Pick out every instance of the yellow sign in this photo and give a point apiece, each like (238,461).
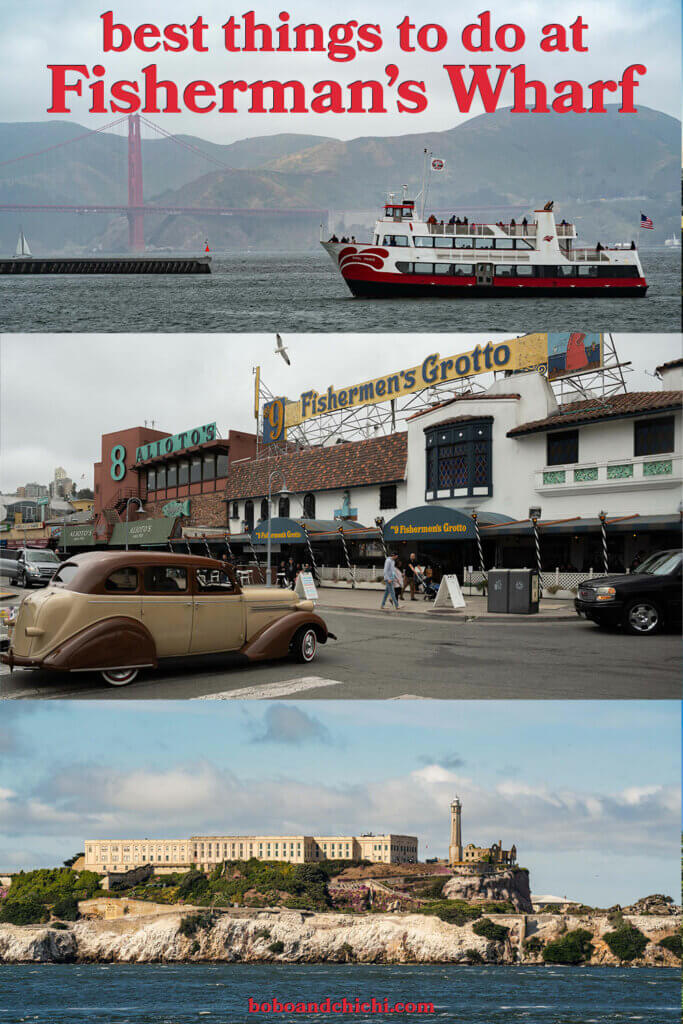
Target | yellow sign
(526,353)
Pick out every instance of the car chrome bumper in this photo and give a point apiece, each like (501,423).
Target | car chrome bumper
(8,657)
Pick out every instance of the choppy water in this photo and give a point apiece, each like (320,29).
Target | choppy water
(303,292)
(219,993)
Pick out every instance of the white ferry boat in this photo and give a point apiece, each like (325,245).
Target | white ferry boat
(413,257)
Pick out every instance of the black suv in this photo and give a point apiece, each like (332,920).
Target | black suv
(640,602)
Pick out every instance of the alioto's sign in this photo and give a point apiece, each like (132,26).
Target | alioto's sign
(553,354)
(176,442)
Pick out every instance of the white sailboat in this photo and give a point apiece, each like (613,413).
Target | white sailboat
(674,242)
(22,250)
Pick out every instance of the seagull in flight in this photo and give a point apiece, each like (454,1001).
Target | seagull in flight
(281,350)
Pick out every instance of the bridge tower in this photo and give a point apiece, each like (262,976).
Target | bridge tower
(136,218)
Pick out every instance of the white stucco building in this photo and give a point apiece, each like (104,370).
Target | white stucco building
(506,455)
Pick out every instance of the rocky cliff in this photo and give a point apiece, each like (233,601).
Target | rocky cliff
(504,884)
(295,937)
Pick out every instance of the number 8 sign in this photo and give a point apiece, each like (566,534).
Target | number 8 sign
(274,421)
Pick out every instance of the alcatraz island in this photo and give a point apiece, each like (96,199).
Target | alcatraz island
(305,899)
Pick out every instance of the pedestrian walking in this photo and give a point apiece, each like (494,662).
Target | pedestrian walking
(389,578)
(398,581)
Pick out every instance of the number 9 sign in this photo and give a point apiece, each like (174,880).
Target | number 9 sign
(274,421)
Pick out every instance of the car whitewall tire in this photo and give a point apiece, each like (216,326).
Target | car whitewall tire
(119,676)
(305,645)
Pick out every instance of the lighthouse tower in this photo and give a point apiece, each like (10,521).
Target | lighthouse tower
(455,846)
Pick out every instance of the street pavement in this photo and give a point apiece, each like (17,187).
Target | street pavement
(413,653)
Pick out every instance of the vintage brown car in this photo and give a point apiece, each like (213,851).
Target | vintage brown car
(118,612)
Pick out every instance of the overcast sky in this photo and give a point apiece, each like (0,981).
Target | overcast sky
(36,33)
(588,792)
(60,393)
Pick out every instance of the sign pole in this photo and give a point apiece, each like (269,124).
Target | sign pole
(482,567)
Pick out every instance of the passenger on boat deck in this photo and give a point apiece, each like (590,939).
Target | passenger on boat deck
(334,238)
(512,222)
(563,223)
(599,247)
(453,220)
(524,222)
(465,221)
(353,238)
(633,245)
(344,239)
(432,219)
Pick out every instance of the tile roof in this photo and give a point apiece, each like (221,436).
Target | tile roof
(590,410)
(377,460)
(672,364)
(457,419)
(461,398)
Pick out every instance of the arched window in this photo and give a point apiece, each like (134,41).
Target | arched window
(249,514)
(283,508)
(309,506)
(264,509)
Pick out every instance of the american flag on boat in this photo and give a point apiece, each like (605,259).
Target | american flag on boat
(645,222)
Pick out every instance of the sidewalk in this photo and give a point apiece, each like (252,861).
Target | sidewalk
(366,600)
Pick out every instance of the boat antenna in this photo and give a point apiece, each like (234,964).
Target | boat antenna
(423,193)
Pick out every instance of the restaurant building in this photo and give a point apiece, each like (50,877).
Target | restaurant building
(487,469)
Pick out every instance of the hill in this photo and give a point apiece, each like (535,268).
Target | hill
(601,170)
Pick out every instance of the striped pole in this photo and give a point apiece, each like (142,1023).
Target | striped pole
(379,523)
(310,552)
(480,552)
(206,545)
(227,544)
(346,556)
(537,542)
(603,530)
(258,564)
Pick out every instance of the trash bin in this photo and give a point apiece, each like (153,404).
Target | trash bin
(499,600)
(523,591)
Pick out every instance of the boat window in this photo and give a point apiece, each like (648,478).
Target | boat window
(183,472)
(171,474)
(546,271)
(505,243)
(122,580)
(442,268)
(424,241)
(165,579)
(483,243)
(463,269)
(463,243)
(505,270)
(443,242)
(404,268)
(521,243)
(213,581)
(423,268)
(564,270)
(588,271)
(525,270)
(395,240)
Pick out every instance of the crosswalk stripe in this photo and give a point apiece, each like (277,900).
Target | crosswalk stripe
(269,691)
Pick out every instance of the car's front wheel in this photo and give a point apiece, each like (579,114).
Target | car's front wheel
(119,676)
(22,580)
(642,618)
(305,644)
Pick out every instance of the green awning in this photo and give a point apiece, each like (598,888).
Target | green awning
(143,531)
(78,535)
(430,522)
(282,530)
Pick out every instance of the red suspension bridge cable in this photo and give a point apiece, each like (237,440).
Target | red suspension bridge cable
(66,142)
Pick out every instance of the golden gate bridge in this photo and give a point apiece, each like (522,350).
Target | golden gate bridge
(136,209)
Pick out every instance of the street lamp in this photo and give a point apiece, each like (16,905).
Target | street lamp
(283,493)
(127,508)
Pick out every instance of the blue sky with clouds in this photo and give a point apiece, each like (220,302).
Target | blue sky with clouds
(620,32)
(589,792)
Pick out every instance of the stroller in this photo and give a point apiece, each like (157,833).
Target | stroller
(428,586)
